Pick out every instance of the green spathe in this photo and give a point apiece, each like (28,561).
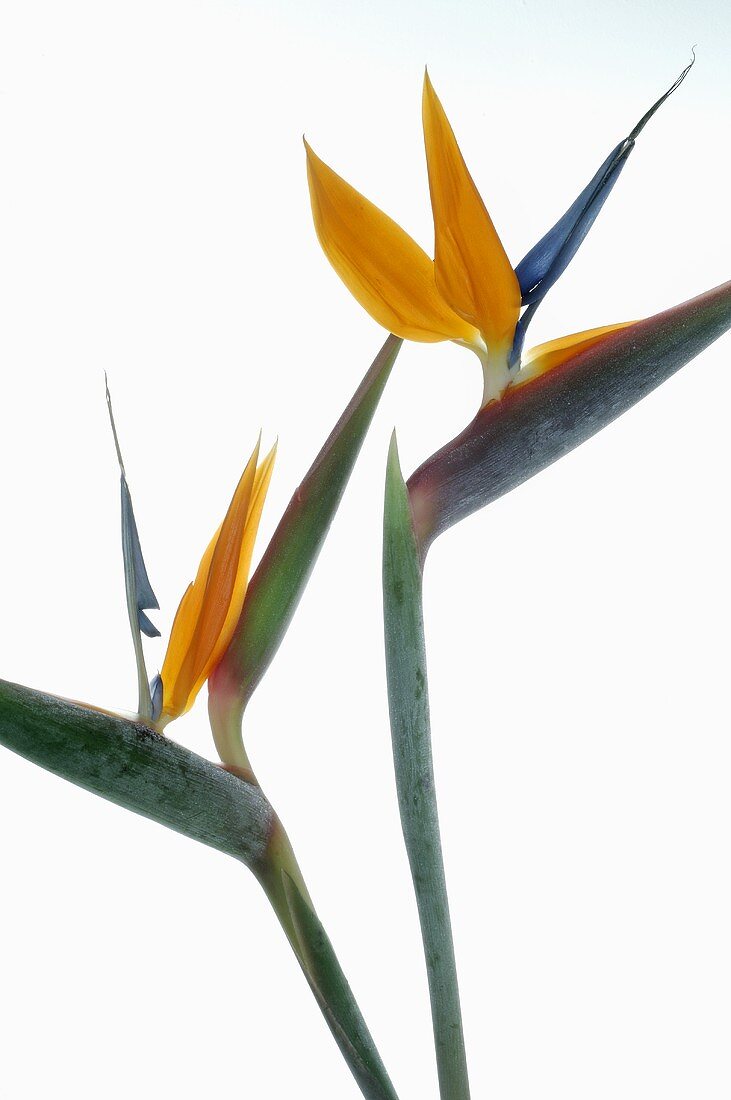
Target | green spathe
(535,424)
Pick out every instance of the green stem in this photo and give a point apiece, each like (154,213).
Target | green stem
(411,735)
(285,888)
(281,879)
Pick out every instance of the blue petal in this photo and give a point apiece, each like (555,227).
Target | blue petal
(146,625)
(140,597)
(156,696)
(144,598)
(547,260)
(520,331)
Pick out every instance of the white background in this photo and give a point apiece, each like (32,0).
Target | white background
(154,223)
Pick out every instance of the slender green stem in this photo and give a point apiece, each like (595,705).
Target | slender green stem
(283,882)
(411,734)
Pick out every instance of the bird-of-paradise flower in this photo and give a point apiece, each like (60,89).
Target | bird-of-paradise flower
(211,605)
(469,292)
(227,628)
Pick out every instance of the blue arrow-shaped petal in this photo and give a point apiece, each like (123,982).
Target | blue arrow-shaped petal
(140,597)
(547,260)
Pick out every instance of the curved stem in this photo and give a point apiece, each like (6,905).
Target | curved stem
(282,881)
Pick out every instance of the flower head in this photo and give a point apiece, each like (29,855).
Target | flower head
(210,608)
(469,292)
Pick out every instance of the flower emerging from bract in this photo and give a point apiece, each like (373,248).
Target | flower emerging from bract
(469,292)
(210,608)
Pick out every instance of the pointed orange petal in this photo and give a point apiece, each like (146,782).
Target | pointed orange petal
(175,690)
(211,606)
(381,265)
(544,357)
(246,549)
(473,271)
(221,582)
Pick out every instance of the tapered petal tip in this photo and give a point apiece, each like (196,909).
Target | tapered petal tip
(310,152)
(384,269)
(544,264)
(473,272)
(427,91)
(211,607)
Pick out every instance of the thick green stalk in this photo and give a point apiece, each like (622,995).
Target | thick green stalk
(132,765)
(408,699)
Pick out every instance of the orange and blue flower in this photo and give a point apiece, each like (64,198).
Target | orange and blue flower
(469,292)
(211,605)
